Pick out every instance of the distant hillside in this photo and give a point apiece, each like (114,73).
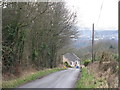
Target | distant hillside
(84,39)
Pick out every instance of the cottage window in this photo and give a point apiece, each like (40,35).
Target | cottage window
(76,62)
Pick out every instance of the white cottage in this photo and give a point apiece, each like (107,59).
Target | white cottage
(71,59)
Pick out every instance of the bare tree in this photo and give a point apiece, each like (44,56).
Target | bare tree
(33,33)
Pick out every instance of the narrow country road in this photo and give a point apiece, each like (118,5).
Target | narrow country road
(60,79)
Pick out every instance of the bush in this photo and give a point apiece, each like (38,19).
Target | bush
(86,62)
(115,56)
(66,64)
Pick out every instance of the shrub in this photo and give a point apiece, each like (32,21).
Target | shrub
(115,56)
(66,64)
(86,62)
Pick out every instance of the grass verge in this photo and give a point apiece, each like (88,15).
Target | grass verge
(86,80)
(22,80)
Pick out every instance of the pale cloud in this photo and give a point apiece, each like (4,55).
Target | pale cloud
(88,12)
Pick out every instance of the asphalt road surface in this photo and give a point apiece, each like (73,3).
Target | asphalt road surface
(60,79)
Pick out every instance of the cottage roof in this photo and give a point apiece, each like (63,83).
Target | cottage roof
(71,57)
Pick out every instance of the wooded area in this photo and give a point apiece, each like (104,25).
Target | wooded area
(33,33)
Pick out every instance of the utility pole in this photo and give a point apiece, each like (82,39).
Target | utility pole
(119,42)
(93,42)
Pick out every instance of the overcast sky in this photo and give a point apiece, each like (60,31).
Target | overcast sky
(88,12)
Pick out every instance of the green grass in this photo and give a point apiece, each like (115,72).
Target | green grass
(86,80)
(22,80)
